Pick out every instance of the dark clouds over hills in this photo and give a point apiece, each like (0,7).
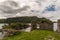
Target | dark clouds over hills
(9,8)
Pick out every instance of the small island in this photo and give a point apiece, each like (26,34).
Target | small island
(28,28)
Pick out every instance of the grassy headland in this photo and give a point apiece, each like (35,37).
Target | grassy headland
(35,35)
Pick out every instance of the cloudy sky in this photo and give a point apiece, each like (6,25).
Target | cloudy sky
(40,8)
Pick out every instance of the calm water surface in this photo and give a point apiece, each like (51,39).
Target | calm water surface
(1,34)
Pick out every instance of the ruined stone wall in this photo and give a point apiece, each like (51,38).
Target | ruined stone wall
(43,26)
(58,28)
(46,26)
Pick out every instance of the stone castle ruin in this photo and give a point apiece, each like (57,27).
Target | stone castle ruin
(58,28)
(45,26)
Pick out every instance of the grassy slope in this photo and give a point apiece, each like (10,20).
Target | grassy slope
(34,35)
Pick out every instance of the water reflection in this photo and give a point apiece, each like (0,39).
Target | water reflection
(1,34)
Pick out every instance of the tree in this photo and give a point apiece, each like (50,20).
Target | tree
(34,24)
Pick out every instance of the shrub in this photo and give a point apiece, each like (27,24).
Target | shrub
(16,26)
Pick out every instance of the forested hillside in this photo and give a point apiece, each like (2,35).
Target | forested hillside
(25,19)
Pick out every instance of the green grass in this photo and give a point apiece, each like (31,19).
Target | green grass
(35,35)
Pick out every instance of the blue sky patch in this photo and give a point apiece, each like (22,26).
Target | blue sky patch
(51,8)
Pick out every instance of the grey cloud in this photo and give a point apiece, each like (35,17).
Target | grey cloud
(10,10)
(22,9)
(6,9)
(10,3)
